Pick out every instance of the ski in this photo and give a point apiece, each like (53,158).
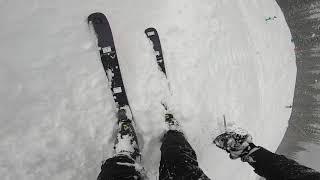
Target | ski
(153,36)
(109,59)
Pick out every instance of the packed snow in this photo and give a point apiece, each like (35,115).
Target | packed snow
(222,58)
(125,146)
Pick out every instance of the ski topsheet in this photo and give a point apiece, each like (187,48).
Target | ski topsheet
(126,141)
(109,58)
(152,34)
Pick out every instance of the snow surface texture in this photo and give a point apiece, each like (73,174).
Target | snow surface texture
(222,57)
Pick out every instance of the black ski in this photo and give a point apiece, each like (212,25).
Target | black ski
(111,66)
(109,57)
(152,34)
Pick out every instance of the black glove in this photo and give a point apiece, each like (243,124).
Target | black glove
(239,145)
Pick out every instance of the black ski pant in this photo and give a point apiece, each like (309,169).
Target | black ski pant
(178,162)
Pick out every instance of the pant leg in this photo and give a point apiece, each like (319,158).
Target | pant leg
(178,159)
(119,167)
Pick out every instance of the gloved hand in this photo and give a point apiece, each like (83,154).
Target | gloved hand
(238,144)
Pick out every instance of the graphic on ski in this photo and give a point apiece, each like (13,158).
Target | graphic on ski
(152,34)
(126,138)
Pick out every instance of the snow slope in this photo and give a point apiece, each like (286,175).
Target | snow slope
(222,57)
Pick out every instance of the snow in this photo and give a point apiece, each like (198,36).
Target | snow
(222,58)
(125,145)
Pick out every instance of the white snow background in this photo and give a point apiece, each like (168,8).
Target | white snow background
(222,57)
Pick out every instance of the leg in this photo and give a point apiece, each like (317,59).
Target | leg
(119,167)
(178,159)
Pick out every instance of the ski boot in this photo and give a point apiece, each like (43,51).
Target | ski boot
(126,142)
(172,123)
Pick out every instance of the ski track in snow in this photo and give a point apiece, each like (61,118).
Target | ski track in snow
(57,112)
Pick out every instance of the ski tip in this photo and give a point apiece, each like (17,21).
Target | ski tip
(96,18)
(150,31)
